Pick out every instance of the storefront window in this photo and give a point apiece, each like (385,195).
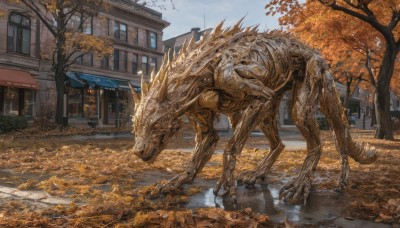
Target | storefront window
(115,107)
(123,111)
(111,106)
(90,103)
(11,101)
(75,103)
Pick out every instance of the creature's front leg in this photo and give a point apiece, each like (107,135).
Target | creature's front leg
(250,117)
(269,127)
(206,140)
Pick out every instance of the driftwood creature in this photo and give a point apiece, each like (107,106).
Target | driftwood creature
(243,74)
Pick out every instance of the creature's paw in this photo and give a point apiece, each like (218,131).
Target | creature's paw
(249,177)
(342,185)
(166,187)
(224,188)
(296,190)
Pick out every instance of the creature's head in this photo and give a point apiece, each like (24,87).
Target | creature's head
(154,121)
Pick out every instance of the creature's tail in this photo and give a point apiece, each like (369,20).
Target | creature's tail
(336,115)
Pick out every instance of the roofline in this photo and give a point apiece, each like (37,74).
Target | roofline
(156,18)
(184,34)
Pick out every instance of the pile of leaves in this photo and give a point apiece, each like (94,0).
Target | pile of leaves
(110,186)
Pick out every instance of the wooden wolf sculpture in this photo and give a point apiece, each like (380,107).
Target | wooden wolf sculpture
(242,74)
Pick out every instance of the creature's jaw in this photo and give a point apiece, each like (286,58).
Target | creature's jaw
(150,152)
(147,156)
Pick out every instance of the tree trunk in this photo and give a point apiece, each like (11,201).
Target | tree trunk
(60,86)
(348,94)
(373,112)
(59,68)
(382,107)
(382,97)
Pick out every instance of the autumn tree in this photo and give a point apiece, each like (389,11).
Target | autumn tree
(369,27)
(65,20)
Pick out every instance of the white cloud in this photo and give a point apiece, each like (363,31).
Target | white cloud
(190,13)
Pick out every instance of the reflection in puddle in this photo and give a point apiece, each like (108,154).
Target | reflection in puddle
(323,207)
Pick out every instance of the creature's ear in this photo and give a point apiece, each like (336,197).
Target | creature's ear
(136,95)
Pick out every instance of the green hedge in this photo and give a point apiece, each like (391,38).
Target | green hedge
(11,123)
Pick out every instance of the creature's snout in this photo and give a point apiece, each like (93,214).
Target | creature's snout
(139,150)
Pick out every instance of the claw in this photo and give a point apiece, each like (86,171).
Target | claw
(227,189)
(217,188)
(296,191)
(248,177)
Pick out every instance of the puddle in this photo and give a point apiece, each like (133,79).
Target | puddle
(10,178)
(322,208)
(34,198)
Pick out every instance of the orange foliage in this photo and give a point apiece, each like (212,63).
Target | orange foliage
(343,39)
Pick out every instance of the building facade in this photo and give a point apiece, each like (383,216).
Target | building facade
(97,86)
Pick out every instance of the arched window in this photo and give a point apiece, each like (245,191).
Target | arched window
(19,33)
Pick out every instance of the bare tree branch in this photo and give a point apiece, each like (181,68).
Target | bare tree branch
(36,10)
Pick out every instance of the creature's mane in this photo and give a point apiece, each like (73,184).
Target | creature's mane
(195,58)
(192,55)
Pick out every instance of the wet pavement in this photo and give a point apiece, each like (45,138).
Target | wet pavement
(39,199)
(323,208)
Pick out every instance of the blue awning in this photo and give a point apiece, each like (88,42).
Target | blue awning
(74,82)
(95,81)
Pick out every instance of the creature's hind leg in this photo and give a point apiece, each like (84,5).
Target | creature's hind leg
(303,110)
(206,140)
(270,129)
(333,110)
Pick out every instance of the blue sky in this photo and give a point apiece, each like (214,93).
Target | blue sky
(190,13)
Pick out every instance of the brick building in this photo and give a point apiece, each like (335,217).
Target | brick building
(97,86)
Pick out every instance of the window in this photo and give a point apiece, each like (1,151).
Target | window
(152,40)
(120,31)
(75,100)
(11,101)
(19,34)
(87,26)
(86,60)
(108,27)
(105,62)
(134,64)
(81,23)
(120,60)
(123,61)
(153,65)
(144,65)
